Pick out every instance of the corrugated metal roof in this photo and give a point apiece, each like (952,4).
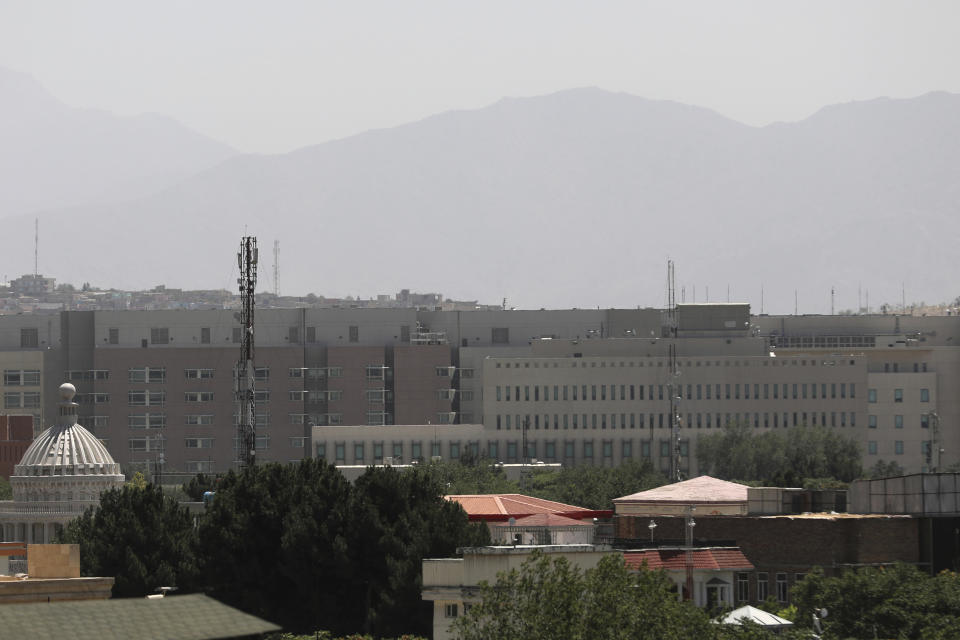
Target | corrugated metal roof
(702,489)
(676,559)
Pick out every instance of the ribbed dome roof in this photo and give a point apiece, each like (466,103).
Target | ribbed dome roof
(66,448)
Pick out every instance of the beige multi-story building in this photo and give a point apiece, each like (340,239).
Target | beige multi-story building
(592,385)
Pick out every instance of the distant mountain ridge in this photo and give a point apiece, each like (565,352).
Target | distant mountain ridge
(53,156)
(571,199)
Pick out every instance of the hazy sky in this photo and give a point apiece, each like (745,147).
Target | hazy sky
(273,76)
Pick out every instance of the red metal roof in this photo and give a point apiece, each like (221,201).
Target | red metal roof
(675,559)
(702,489)
(503,506)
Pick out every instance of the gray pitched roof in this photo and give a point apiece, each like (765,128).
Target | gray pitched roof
(187,617)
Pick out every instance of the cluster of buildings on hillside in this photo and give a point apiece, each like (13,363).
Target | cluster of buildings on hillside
(366,386)
(723,545)
(36,293)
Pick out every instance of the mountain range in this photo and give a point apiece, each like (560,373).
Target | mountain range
(574,199)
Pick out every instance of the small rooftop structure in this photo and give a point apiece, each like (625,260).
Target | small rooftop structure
(763,618)
(542,528)
(187,617)
(500,507)
(709,496)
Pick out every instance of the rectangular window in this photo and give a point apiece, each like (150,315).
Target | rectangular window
(147,421)
(198,374)
(763,586)
(198,443)
(898,395)
(312,334)
(898,447)
(354,333)
(743,587)
(872,447)
(113,335)
(588,449)
(782,588)
(872,421)
(500,335)
(159,335)
(358,452)
(450,610)
(924,421)
(205,335)
(29,338)
(898,422)
(198,396)
(205,419)
(924,395)
(340,451)
(871,395)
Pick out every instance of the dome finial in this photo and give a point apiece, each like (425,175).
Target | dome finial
(67,391)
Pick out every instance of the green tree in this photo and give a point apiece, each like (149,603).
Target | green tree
(198,485)
(397,519)
(139,536)
(898,601)
(298,545)
(549,598)
(883,469)
(471,475)
(594,487)
(274,543)
(781,458)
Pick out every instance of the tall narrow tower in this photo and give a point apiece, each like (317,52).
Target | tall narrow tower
(276,268)
(244,384)
(673,371)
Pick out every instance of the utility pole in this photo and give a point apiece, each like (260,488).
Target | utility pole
(244,384)
(523,455)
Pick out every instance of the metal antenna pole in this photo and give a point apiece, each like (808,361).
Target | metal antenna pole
(245,393)
(673,388)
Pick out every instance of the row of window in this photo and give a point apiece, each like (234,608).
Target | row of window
(21,399)
(898,421)
(763,586)
(898,395)
(21,377)
(629,392)
(552,450)
(158,444)
(662,420)
(925,448)
(578,362)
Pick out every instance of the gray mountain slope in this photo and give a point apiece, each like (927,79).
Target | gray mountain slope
(53,155)
(571,199)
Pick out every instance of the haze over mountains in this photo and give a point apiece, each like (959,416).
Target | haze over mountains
(53,155)
(574,199)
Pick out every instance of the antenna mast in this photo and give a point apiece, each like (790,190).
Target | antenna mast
(245,394)
(276,268)
(674,373)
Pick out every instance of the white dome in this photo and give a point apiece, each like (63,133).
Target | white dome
(66,451)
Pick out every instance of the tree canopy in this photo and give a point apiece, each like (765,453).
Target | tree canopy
(141,537)
(898,601)
(783,457)
(298,545)
(549,598)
